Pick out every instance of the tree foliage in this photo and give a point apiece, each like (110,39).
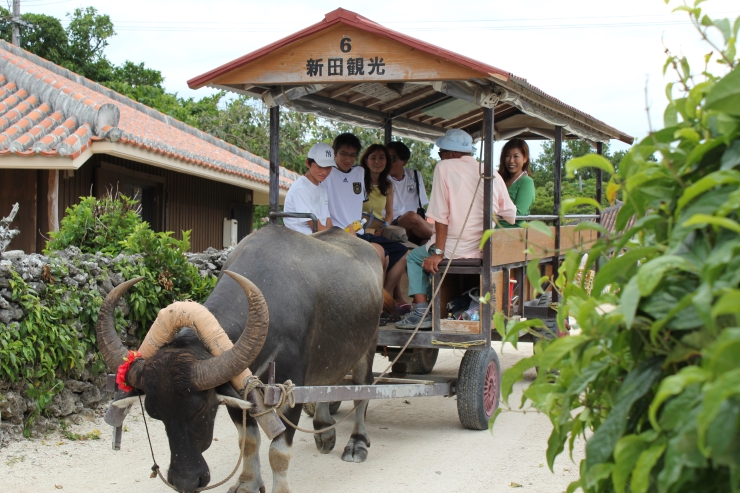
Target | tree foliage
(653,379)
(583,183)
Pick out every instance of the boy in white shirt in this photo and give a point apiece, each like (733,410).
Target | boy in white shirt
(305,194)
(409,195)
(346,185)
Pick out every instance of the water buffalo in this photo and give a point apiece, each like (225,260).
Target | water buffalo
(324,296)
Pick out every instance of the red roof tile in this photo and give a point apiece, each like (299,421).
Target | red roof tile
(48,110)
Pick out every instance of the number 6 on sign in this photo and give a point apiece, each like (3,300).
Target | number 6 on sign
(345,46)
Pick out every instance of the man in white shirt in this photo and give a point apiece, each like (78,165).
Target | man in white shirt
(346,185)
(305,194)
(409,195)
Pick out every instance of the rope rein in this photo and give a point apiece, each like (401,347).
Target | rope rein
(287,397)
(156,471)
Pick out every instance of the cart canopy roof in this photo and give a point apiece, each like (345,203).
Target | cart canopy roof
(351,69)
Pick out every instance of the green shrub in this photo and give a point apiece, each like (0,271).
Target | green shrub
(52,341)
(653,380)
(96,225)
(168,276)
(112,225)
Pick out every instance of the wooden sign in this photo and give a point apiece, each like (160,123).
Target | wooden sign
(346,54)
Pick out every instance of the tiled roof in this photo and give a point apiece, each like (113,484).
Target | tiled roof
(609,218)
(48,110)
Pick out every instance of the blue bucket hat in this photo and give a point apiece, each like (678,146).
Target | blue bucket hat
(456,140)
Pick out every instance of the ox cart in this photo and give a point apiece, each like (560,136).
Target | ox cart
(350,69)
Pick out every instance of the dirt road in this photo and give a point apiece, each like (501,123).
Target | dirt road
(417,446)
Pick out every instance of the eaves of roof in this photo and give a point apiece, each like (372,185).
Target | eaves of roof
(48,111)
(342,16)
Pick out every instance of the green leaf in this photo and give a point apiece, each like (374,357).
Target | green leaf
(652,272)
(707,183)
(626,453)
(572,203)
(486,235)
(724,355)
(600,446)
(588,161)
(641,475)
(724,96)
(533,274)
(731,157)
(597,473)
(716,393)
(673,385)
(558,349)
(540,227)
(670,116)
(630,300)
(722,435)
(555,445)
(702,220)
(515,374)
(617,266)
(728,303)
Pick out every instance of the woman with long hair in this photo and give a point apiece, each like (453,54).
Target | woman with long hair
(514,167)
(377,164)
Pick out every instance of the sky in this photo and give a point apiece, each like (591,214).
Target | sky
(598,56)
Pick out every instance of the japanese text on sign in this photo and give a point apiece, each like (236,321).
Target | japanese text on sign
(336,66)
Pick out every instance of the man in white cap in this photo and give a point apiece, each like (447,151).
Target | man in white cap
(305,194)
(456,177)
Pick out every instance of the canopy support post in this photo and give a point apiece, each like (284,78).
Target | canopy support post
(274,163)
(388,129)
(600,152)
(557,178)
(599,176)
(486,309)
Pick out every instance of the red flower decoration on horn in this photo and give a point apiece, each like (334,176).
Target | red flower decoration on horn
(123,369)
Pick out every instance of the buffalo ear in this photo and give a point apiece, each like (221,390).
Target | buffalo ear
(233,402)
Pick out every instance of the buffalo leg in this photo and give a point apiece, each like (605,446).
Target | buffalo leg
(280,452)
(356,449)
(250,480)
(322,419)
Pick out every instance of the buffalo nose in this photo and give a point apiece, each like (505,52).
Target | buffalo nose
(187,483)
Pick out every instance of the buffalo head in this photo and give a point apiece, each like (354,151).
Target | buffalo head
(180,379)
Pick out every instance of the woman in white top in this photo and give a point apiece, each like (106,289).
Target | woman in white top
(305,194)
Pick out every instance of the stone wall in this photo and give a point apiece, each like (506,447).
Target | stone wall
(84,397)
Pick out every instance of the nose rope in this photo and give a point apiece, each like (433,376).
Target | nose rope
(286,389)
(156,471)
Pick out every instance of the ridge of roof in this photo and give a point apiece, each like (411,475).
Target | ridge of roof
(92,115)
(353,19)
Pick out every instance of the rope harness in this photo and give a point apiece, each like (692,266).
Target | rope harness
(287,396)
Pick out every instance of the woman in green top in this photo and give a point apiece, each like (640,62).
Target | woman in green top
(514,168)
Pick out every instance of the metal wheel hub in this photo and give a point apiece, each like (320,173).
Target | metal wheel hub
(490,389)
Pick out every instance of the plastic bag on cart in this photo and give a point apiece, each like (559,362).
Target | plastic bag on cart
(464,306)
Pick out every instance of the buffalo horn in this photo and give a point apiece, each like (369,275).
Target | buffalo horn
(213,372)
(109,343)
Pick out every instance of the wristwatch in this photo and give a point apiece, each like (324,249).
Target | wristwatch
(439,252)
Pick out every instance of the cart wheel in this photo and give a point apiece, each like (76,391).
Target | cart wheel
(310,407)
(478,388)
(422,361)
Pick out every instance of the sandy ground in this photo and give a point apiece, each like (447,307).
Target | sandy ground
(417,446)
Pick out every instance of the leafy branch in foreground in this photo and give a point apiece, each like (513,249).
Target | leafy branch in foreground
(653,379)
